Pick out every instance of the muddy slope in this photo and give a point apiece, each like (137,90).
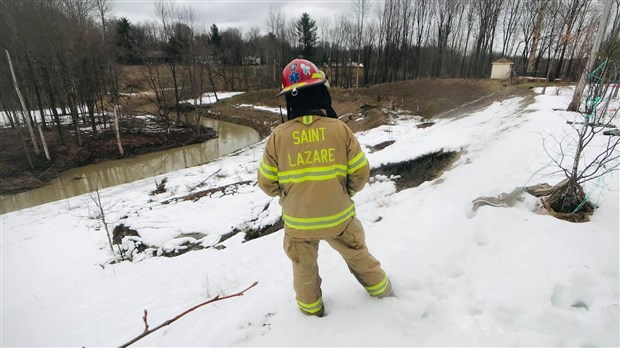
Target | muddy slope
(365,108)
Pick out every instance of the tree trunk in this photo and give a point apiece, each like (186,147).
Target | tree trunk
(568,197)
(47,153)
(23,138)
(36,90)
(118,132)
(536,36)
(35,145)
(173,69)
(91,114)
(7,111)
(50,96)
(75,119)
(211,81)
(576,101)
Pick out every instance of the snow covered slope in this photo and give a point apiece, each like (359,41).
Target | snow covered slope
(497,276)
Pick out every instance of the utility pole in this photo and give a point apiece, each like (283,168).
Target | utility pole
(602,25)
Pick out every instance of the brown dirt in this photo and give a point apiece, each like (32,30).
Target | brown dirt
(121,231)
(365,108)
(414,172)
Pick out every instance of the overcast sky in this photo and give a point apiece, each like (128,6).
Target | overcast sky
(242,14)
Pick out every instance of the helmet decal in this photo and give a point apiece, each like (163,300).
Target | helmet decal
(305,69)
(300,73)
(294,77)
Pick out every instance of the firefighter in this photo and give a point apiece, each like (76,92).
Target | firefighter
(314,163)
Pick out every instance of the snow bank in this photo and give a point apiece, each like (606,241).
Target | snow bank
(496,277)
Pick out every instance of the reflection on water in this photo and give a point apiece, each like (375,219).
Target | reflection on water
(85,179)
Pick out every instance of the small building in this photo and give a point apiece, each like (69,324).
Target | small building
(501,69)
(154,57)
(250,60)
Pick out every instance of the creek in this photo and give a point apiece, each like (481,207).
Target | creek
(77,181)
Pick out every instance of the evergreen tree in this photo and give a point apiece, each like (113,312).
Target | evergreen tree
(214,36)
(124,40)
(307,37)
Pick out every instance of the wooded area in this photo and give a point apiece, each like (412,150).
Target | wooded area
(68,55)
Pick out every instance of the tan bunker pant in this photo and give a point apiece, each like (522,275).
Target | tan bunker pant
(351,245)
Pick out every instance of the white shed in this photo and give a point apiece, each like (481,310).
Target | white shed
(501,69)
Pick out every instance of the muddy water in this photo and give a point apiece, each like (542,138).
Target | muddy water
(82,180)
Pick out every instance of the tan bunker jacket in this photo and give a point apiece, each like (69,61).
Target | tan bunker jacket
(315,164)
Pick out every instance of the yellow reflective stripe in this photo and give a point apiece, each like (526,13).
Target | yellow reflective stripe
(268,171)
(313,173)
(307,120)
(378,289)
(356,158)
(359,161)
(311,308)
(316,223)
(268,167)
(312,169)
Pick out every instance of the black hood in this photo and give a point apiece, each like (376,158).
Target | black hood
(309,101)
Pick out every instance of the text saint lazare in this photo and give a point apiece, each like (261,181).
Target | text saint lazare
(316,156)
(312,157)
(310,135)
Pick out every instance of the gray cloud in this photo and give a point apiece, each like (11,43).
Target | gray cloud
(234,13)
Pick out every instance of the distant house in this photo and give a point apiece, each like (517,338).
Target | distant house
(209,59)
(250,60)
(501,69)
(155,57)
(342,63)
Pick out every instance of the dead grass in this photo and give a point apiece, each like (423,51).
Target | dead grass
(365,108)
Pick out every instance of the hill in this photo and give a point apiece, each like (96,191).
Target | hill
(428,98)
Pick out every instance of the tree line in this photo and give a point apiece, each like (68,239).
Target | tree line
(68,54)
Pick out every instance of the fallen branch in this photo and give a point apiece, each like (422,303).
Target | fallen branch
(148,331)
(594,124)
(205,180)
(198,195)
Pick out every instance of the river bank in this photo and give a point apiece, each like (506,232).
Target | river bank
(17,176)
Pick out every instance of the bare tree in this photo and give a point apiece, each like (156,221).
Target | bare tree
(99,211)
(360,9)
(602,156)
(166,12)
(511,17)
(446,15)
(574,104)
(160,94)
(421,27)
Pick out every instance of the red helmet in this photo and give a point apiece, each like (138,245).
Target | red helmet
(301,73)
